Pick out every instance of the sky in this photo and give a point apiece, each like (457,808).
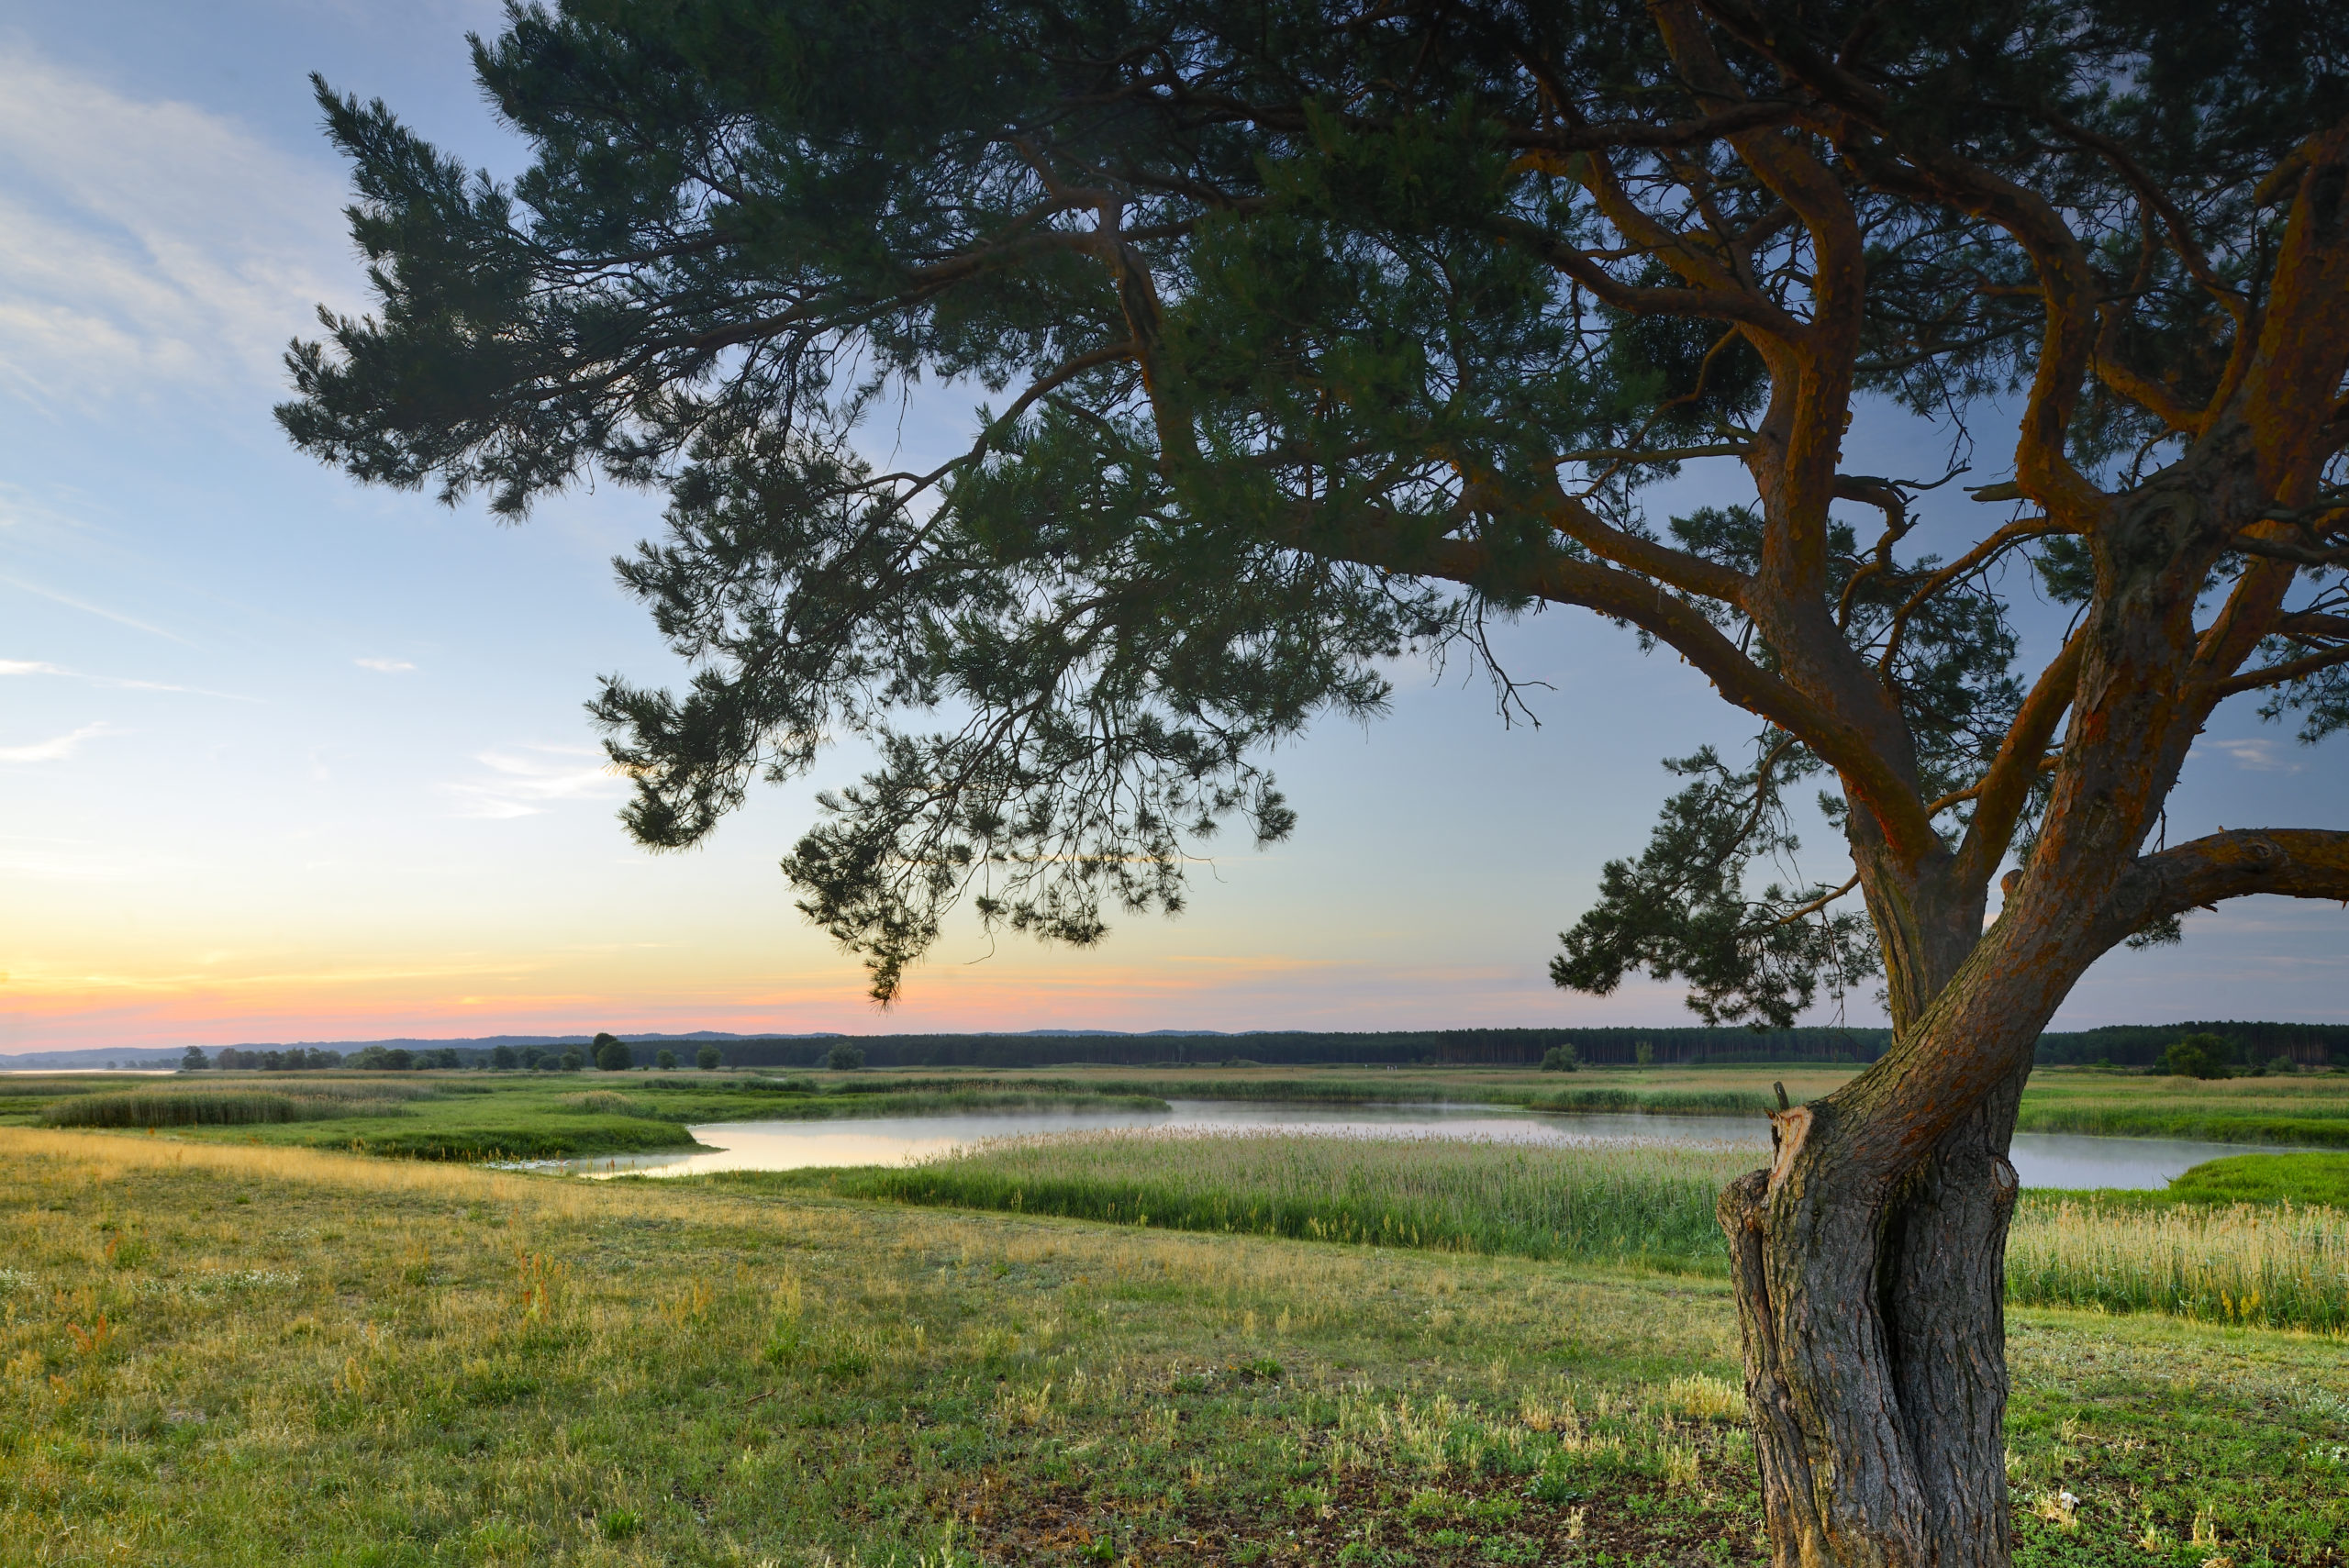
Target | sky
(283,758)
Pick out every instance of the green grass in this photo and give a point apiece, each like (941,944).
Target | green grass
(2268,1178)
(218,1355)
(2172,1253)
(1648,1206)
(2305,1109)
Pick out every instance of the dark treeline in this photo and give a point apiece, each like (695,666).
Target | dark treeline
(2118,1045)
(2129,1045)
(1400,1047)
(2141,1045)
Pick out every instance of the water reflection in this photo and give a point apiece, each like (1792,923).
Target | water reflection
(2042,1158)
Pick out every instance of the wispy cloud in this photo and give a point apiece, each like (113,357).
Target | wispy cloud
(118,682)
(147,241)
(70,603)
(2258,756)
(57,749)
(524,782)
(388,666)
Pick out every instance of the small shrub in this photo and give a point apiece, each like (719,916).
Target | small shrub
(1560,1059)
(2198,1056)
(844,1057)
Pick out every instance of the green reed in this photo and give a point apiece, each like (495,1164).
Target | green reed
(2275,1266)
(1650,1204)
(211,1107)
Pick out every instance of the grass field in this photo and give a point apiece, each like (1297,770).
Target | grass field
(223,1354)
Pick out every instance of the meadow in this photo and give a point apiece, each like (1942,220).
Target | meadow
(224,1353)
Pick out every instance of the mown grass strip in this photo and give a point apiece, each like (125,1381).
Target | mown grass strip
(2268,1178)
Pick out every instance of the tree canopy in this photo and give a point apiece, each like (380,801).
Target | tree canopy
(1316,334)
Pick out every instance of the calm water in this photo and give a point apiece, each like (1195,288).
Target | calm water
(2042,1158)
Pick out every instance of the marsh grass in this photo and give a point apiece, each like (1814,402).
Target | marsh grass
(2276,1266)
(1656,1102)
(1650,1204)
(212,1108)
(2272,1266)
(604,1102)
(2311,1108)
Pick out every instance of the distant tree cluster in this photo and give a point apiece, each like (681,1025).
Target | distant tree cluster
(296,1059)
(2212,1055)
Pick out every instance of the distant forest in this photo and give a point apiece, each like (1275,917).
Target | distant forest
(2122,1045)
(2117,1045)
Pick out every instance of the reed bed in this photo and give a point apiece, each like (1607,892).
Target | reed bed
(212,1108)
(945,1102)
(1613,1202)
(2270,1266)
(603,1102)
(2275,1266)
(1656,1102)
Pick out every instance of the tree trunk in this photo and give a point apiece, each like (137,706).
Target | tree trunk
(1875,1340)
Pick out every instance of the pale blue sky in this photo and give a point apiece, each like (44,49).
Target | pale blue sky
(280,758)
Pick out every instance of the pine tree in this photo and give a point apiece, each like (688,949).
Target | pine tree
(1313,335)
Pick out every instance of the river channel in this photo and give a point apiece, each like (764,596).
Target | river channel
(2042,1158)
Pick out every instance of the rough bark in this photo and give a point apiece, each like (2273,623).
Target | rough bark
(1875,1345)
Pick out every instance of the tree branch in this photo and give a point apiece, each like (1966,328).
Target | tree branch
(2295,863)
(2005,787)
(1873,782)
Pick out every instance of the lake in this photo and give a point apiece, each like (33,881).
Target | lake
(2042,1158)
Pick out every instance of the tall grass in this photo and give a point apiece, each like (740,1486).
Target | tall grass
(2280,1266)
(1648,1205)
(1654,1102)
(211,1107)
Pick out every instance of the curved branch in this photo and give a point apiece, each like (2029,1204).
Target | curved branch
(1689,574)
(2295,863)
(1974,560)
(2281,674)
(2005,788)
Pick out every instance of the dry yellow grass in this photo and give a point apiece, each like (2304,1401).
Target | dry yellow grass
(2277,1266)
